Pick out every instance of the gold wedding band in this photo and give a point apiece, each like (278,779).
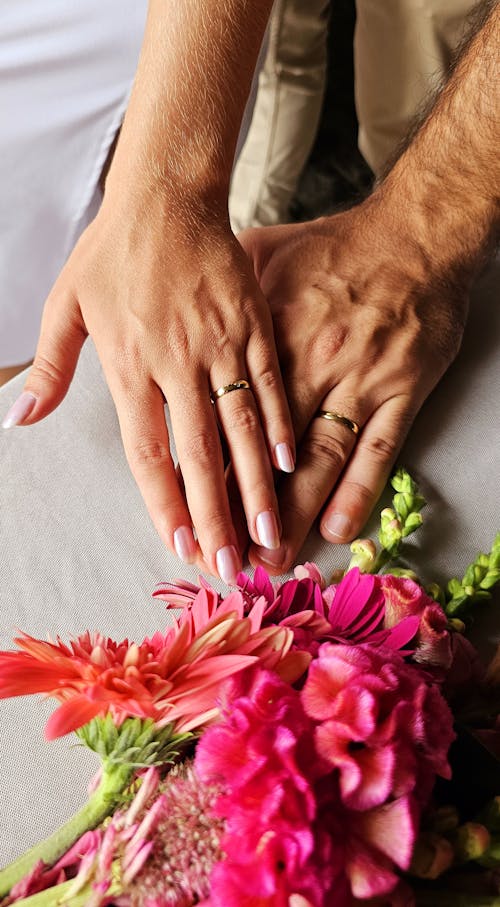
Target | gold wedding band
(336,417)
(239,385)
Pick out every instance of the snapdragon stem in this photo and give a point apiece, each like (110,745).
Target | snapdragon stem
(383,558)
(102,802)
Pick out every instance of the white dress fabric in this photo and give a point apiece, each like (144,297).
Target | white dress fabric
(66,69)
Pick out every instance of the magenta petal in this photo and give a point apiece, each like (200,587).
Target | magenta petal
(263,584)
(368,619)
(403,632)
(351,597)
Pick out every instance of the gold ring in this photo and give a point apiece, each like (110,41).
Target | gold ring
(336,417)
(239,385)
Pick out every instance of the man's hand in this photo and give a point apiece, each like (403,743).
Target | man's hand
(365,329)
(369,306)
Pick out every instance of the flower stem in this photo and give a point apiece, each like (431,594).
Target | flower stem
(52,897)
(102,802)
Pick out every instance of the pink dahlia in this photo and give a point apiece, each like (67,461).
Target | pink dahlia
(380,724)
(172,677)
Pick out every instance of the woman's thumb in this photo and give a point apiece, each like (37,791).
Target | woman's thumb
(62,336)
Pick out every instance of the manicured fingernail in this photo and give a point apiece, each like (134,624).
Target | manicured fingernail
(284,457)
(339,525)
(267,529)
(185,544)
(228,564)
(19,410)
(276,557)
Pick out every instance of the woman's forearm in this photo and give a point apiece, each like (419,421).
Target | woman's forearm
(192,83)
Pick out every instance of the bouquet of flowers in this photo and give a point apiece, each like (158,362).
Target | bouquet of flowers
(283,746)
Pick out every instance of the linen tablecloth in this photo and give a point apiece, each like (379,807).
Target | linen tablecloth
(78,550)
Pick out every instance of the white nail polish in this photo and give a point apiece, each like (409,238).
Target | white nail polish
(19,410)
(284,457)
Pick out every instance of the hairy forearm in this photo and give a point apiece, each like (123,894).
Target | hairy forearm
(445,186)
(189,94)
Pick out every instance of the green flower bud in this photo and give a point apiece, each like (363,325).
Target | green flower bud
(491,859)
(390,529)
(470,841)
(432,856)
(402,504)
(457,624)
(413,522)
(409,574)
(436,592)
(402,481)
(364,552)
(491,578)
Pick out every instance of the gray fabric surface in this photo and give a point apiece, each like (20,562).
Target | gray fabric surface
(78,550)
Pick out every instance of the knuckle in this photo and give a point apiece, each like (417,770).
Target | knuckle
(199,449)
(380,449)
(46,370)
(149,453)
(325,452)
(212,528)
(359,493)
(244,420)
(296,512)
(267,380)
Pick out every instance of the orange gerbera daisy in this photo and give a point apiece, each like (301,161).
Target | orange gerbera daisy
(174,677)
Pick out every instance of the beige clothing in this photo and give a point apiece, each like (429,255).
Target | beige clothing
(285,116)
(402,49)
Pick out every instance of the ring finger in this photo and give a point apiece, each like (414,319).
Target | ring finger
(323,454)
(239,419)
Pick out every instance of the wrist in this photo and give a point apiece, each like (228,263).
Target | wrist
(167,201)
(446,228)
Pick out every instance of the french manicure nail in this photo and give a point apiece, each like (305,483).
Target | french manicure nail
(228,564)
(185,544)
(19,410)
(284,457)
(339,525)
(267,529)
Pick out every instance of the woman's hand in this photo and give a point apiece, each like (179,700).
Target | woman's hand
(173,308)
(170,300)
(365,328)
